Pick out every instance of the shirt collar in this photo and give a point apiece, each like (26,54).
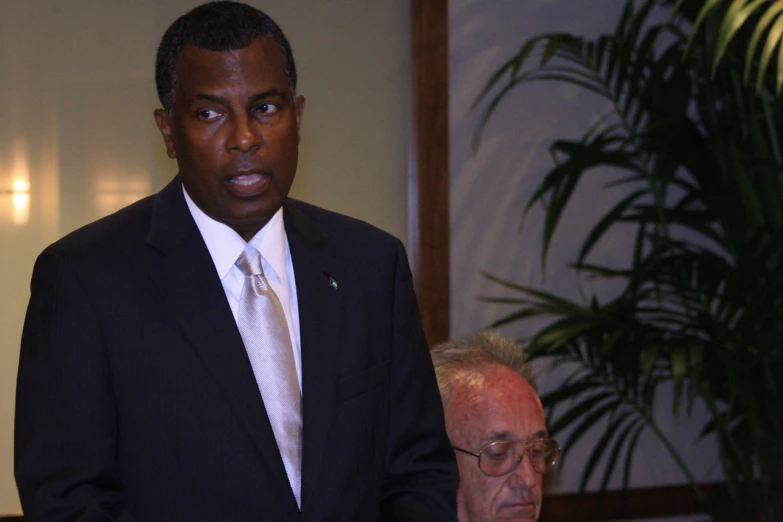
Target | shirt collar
(225,245)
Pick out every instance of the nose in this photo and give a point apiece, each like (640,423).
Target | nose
(524,476)
(244,135)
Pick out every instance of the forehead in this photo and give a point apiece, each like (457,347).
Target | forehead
(261,61)
(494,403)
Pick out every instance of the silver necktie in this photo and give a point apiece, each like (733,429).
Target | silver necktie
(264,331)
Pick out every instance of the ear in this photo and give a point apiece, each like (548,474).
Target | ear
(299,102)
(163,119)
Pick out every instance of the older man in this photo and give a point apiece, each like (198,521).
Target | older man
(496,425)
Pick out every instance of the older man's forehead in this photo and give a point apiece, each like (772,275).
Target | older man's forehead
(508,435)
(500,406)
(491,384)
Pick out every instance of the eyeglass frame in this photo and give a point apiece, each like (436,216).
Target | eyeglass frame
(526,444)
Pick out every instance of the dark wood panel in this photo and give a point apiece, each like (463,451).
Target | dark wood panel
(639,503)
(431,128)
(635,504)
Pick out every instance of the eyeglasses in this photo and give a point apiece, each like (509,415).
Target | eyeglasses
(504,456)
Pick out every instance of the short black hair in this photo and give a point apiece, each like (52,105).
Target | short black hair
(216,26)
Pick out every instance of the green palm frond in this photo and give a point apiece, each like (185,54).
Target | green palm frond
(764,21)
(702,302)
(616,387)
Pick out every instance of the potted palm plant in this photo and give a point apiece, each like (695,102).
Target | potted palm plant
(701,305)
(763,17)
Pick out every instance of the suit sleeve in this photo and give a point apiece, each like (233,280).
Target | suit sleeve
(66,426)
(421,472)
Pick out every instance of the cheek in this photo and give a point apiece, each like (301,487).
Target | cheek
(286,143)
(465,469)
(477,490)
(201,145)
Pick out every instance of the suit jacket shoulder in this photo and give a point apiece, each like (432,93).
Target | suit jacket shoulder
(342,233)
(128,226)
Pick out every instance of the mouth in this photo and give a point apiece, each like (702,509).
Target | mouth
(523,510)
(247,185)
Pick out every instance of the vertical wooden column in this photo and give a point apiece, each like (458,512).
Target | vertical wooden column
(431,128)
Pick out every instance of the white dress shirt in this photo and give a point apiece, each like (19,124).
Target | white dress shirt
(225,247)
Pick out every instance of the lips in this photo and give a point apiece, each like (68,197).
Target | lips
(248,184)
(519,510)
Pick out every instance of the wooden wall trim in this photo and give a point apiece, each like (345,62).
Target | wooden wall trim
(634,504)
(431,141)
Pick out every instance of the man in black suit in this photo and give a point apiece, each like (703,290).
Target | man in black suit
(142,394)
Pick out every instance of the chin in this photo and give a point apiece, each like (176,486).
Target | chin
(252,213)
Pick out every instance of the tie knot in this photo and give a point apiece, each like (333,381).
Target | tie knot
(249,262)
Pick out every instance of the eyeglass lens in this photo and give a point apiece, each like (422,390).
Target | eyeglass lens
(502,457)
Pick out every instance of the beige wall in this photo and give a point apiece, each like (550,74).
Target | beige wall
(77,94)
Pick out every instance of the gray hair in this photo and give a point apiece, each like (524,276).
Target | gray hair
(461,357)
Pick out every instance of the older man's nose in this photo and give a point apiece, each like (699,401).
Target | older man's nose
(524,476)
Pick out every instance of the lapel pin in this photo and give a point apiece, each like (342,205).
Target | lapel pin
(332,281)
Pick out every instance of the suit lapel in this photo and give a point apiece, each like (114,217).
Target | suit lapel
(188,282)
(320,324)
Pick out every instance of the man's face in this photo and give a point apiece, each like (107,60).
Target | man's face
(234,131)
(492,404)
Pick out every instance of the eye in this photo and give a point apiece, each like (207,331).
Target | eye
(266,108)
(496,451)
(540,451)
(536,452)
(207,114)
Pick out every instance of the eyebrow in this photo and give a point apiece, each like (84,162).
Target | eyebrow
(540,434)
(507,435)
(271,93)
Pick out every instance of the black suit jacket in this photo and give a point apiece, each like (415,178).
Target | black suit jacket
(136,400)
